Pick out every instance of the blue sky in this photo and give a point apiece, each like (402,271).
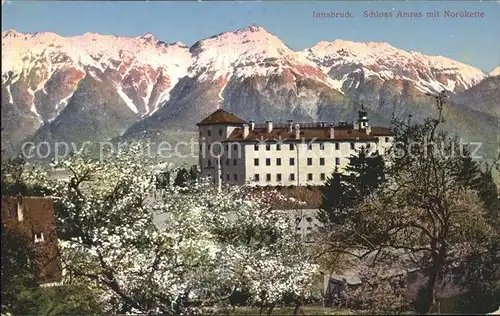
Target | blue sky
(475,41)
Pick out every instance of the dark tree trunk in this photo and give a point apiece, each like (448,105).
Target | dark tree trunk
(425,300)
(297,307)
(270,310)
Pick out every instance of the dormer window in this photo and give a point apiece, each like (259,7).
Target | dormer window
(38,238)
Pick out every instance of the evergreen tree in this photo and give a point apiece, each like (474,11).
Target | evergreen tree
(193,173)
(182,177)
(366,174)
(363,176)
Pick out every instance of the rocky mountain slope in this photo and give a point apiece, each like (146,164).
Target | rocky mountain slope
(84,86)
(99,87)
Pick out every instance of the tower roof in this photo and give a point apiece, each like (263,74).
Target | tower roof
(221,117)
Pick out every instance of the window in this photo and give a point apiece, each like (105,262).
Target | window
(268,177)
(321,161)
(209,133)
(235,147)
(227,162)
(256,147)
(38,237)
(292,161)
(256,162)
(309,146)
(256,177)
(337,146)
(278,161)
(235,177)
(292,147)
(235,162)
(278,177)
(220,132)
(322,176)
(387,139)
(322,146)
(226,147)
(268,161)
(278,147)
(292,176)
(309,161)
(337,161)
(268,147)
(352,146)
(309,177)
(227,177)
(209,163)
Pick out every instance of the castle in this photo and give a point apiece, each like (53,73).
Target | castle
(233,151)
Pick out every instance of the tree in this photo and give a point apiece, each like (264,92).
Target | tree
(182,177)
(423,210)
(21,294)
(18,271)
(193,173)
(14,182)
(178,254)
(362,177)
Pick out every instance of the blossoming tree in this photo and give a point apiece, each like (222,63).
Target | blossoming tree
(181,251)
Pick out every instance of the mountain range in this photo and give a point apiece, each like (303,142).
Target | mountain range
(102,87)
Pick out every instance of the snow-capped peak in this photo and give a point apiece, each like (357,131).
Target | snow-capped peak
(245,51)
(148,37)
(380,59)
(495,72)
(89,49)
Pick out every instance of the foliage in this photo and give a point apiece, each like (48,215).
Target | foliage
(191,249)
(21,294)
(424,209)
(362,177)
(186,177)
(378,292)
(14,182)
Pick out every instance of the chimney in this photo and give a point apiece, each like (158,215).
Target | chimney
(355,126)
(252,125)
(20,208)
(290,126)
(297,131)
(332,131)
(269,126)
(245,130)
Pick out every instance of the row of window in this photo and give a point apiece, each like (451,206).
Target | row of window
(309,146)
(292,161)
(291,177)
(209,132)
(291,146)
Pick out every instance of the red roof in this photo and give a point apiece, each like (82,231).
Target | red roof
(221,117)
(310,133)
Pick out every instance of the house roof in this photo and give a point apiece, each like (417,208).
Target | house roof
(310,133)
(295,197)
(221,117)
(38,218)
